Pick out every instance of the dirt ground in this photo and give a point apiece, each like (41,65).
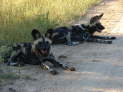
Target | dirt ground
(99,67)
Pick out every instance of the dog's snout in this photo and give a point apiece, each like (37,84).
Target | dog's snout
(102,27)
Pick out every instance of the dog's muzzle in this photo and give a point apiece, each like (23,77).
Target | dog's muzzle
(99,27)
(44,52)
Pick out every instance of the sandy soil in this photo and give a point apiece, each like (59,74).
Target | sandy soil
(99,69)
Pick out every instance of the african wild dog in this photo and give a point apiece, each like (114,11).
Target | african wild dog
(36,53)
(80,33)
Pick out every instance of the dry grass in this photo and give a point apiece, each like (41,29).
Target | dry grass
(19,17)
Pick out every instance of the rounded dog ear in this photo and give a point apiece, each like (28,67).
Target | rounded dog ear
(36,34)
(49,33)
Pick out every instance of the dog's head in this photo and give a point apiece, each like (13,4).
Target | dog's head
(41,45)
(96,24)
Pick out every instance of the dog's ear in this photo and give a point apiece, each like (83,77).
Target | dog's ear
(100,16)
(36,34)
(49,33)
(96,18)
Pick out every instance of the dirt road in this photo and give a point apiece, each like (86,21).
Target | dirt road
(99,69)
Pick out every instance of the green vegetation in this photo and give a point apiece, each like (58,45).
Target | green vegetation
(4,52)
(19,17)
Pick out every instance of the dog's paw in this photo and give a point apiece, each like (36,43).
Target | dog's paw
(12,63)
(53,72)
(71,69)
(72,43)
(107,42)
(62,56)
(113,38)
(69,44)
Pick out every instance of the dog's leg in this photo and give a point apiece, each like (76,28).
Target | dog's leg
(46,67)
(104,37)
(99,41)
(68,38)
(13,60)
(58,64)
(69,42)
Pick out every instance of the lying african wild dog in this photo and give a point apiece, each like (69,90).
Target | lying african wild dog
(36,53)
(80,33)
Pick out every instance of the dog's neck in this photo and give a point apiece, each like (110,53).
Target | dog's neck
(89,28)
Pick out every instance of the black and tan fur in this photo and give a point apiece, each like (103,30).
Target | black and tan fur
(80,32)
(36,53)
